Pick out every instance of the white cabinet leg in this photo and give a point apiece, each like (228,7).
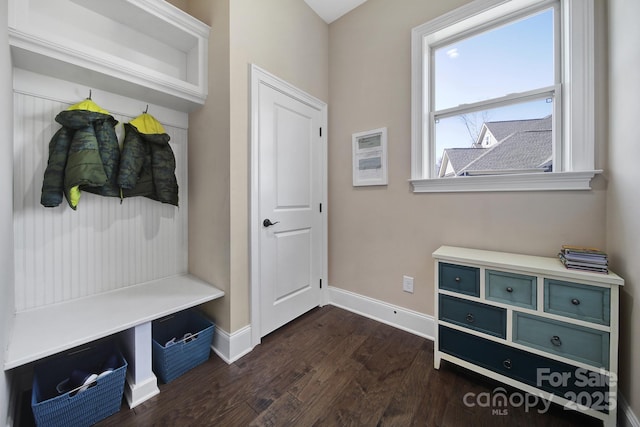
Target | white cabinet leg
(142,384)
(612,420)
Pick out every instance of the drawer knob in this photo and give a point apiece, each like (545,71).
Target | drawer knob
(575,301)
(457,279)
(555,340)
(470,318)
(507,363)
(509,289)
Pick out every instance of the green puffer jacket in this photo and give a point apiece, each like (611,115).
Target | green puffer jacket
(83,156)
(147,167)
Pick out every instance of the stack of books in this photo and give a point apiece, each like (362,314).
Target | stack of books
(581,258)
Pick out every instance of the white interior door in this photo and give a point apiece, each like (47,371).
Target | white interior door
(290,186)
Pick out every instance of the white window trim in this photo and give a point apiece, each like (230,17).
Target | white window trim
(578,104)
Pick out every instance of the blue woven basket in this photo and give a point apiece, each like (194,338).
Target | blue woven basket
(171,361)
(85,408)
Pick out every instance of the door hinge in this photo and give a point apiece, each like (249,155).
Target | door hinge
(320,207)
(320,283)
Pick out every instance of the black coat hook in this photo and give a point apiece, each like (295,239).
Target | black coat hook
(146,109)
(89,94)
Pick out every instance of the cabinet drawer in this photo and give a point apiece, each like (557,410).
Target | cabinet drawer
(473,315)
(584,302)
(531,369)
(459,278)
(510,288)
(572,341)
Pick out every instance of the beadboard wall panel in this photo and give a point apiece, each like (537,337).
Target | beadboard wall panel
(62,254)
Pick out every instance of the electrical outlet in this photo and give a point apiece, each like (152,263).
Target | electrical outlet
(407,284)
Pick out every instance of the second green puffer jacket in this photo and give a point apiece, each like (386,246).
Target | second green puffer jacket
(147,165)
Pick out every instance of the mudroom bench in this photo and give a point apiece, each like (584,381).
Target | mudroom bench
(128,311)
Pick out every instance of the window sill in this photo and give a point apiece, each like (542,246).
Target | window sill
(551,181)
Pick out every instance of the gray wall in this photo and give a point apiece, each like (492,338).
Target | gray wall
(379,234)
(623,193)
(286,38)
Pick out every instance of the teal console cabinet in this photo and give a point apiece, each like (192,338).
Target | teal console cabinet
(532,324)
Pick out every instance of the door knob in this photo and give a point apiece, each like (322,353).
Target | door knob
(267,222)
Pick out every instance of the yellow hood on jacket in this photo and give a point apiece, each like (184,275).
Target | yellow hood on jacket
(88,105)
(147,124)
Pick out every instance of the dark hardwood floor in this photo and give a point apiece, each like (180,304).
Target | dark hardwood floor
(331,367)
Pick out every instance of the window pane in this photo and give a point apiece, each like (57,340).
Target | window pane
(501,140)
(513,58)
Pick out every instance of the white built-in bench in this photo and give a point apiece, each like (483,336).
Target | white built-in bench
(168,70)
(128,311)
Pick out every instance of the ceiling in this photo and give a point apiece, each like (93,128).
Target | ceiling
(330,10)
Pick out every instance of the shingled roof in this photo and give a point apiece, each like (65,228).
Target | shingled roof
(522,145)
(461,157)
(504,129)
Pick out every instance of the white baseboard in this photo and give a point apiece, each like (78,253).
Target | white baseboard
(398,317)
(626,416)
(140,392)
(231,347)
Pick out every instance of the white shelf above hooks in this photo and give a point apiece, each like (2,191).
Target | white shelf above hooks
(142,49)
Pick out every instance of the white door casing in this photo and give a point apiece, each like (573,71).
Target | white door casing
(288,188)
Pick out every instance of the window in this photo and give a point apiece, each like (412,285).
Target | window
(503,97)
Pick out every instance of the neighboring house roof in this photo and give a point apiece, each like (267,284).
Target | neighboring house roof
(460,157)
(522,150)
(522,145)
(502,130)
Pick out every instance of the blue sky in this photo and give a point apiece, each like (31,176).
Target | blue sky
(509,59)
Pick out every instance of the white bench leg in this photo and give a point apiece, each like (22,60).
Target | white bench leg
(142,384)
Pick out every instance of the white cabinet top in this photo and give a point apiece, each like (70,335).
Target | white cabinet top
(547,266)
(143,49)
